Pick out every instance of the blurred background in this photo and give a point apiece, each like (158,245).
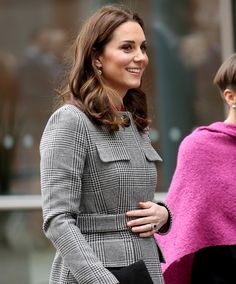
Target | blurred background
(187,41)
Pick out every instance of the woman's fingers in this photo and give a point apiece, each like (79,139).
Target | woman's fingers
(144,211)
(144,231)
(138,213)
(146,205)
(145,228)
(141,229)
(140,221)
(146,221)
(143,216)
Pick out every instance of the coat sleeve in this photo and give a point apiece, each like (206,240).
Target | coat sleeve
(63,151)
(166,227)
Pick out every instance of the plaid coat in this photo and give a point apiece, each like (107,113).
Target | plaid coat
(89,180)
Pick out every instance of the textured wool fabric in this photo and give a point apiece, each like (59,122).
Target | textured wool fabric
(202,198)
(89,179)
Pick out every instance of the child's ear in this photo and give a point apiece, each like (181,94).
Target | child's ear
(230,96)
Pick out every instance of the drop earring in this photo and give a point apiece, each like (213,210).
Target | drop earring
(99,72)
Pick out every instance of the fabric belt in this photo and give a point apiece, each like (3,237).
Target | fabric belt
(88,223)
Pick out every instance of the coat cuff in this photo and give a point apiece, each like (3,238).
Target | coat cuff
(165,228)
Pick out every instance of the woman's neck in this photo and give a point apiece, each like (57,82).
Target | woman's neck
(117,101)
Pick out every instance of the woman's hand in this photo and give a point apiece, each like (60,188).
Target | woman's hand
(150,218)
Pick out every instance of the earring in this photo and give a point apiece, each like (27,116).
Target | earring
(233,106)
(99,72)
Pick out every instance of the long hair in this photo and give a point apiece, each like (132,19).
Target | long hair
(86,88)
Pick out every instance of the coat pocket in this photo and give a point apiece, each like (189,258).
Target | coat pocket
(108,153)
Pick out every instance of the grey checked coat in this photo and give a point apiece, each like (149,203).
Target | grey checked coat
(89,180)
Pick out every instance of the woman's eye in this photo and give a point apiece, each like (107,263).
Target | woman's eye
(127,47)
(144,48)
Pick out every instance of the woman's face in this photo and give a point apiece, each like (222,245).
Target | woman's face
(124,58)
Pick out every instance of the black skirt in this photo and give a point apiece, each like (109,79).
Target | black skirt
(214,265)
(135,273)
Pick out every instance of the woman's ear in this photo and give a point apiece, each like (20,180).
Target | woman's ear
(230,96)
(98,63)
(98,66)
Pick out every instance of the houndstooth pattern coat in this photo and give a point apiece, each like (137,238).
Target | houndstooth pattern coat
(89,180)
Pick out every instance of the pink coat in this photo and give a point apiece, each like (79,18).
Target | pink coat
(202,198)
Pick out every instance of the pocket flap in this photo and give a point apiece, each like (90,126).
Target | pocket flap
(151,154)
(112,153)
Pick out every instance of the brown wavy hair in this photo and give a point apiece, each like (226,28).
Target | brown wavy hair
(86,88)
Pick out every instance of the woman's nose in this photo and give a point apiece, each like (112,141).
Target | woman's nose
(140,55)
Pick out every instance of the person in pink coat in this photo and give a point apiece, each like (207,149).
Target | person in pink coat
(201,246)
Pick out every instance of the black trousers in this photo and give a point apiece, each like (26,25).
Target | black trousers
(136,273)
(215,265)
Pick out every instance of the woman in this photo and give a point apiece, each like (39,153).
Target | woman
(98,169)
(201,247)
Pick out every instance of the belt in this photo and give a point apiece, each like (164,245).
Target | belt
(90,223)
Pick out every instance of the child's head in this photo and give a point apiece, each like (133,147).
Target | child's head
(225,79)
(226,74)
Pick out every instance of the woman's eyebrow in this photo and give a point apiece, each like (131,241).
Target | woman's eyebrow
(132,41)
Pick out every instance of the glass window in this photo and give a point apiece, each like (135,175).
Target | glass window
(186,54)
(31,66)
